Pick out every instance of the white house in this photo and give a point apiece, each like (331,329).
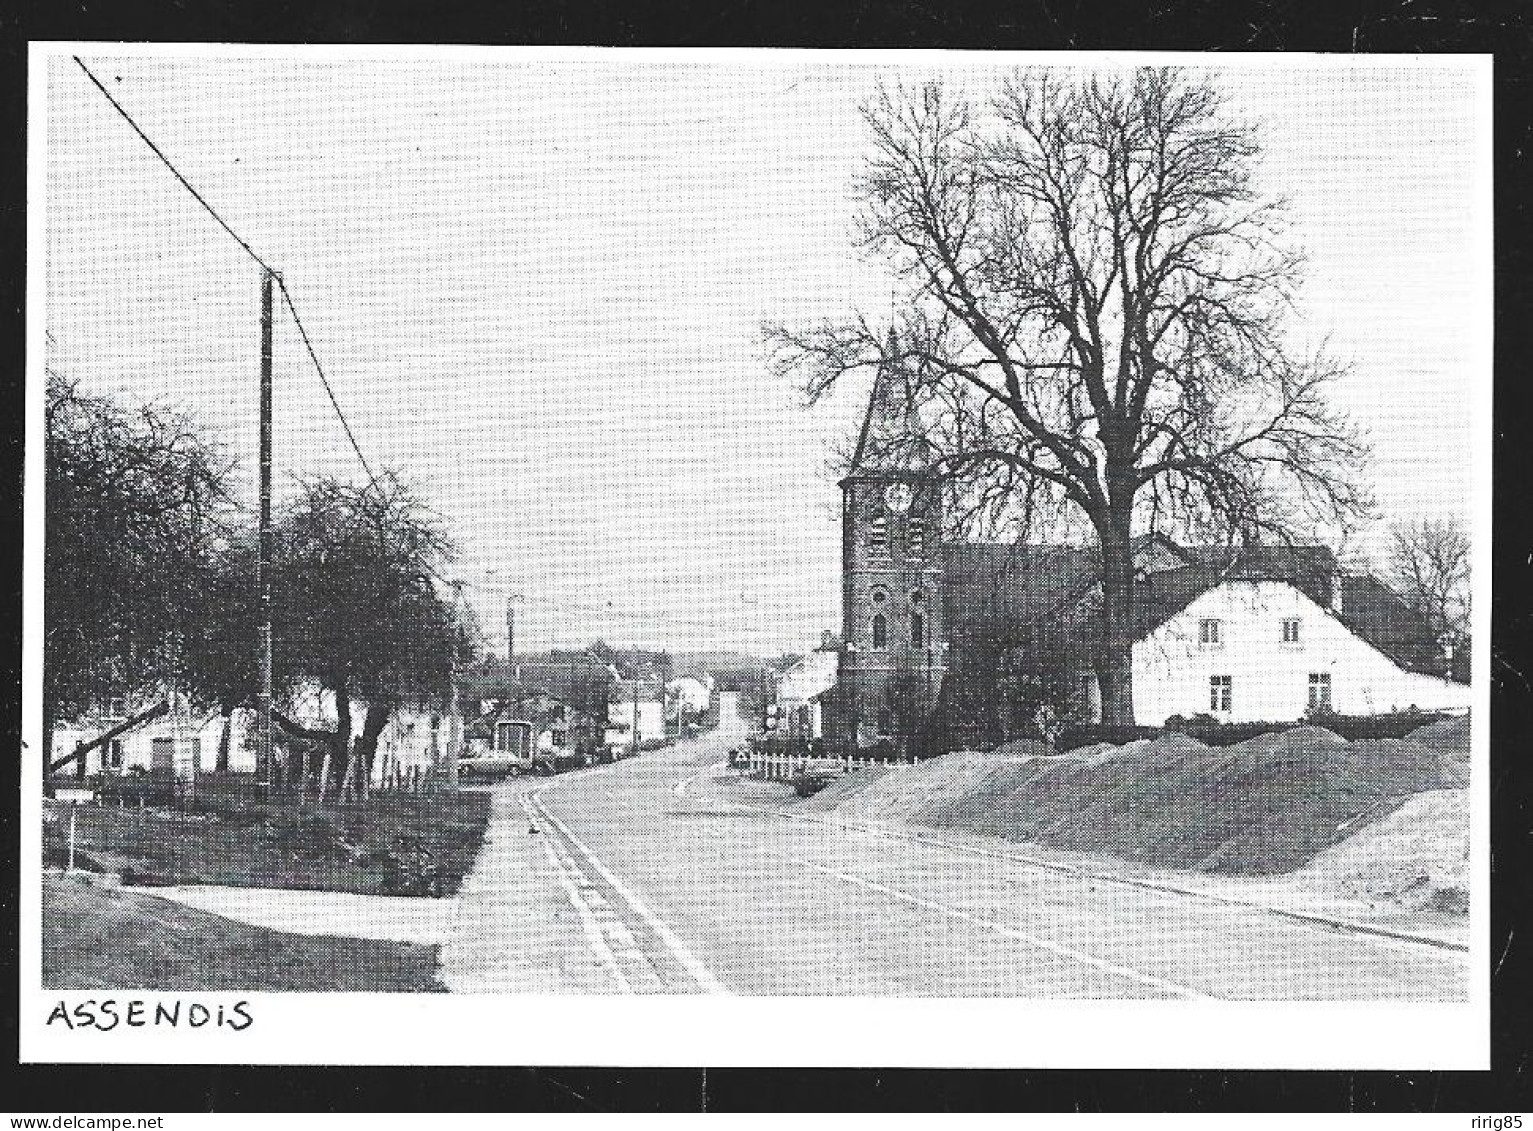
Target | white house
(801,690)
(1248,650)
(183,739)
(413,738)
(176,741)
(694,693)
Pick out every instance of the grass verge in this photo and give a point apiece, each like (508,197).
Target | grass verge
(96,938)
(391,844)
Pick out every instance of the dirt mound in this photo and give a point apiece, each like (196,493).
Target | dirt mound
(1451,736)
(1096,752)
(1025,748)
(900,793)
(1416,857)
(844,787)
(1266,805)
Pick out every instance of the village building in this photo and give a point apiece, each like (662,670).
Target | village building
(533,726)
(934,630)
(803,691)
(689,695)
(635,714)
(175,742)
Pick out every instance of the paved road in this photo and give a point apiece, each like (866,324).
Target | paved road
(649,877)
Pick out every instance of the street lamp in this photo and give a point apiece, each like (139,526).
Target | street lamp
(511,603)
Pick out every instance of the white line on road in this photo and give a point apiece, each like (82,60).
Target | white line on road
(1319,924)
(700,973)
(680,788)
(563,867)
(1010,932)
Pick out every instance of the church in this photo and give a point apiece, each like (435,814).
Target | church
(933,628)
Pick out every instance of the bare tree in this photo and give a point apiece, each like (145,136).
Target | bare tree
(136,498)
(1094,331)
(1429,565)
(358,607)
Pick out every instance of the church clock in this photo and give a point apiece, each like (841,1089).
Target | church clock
(898,496)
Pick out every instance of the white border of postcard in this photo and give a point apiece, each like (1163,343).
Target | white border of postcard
(423,1029)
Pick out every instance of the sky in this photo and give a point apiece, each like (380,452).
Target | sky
(537,287)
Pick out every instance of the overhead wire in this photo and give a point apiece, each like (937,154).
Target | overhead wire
(319,368)
(213,212)
(276,275)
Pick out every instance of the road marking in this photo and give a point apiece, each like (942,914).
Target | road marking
(1010,932)
(593,933)
(700,973)
(1320,924)
(680,788)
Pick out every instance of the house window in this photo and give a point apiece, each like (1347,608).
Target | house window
(1210,632)
(1319,690)
(1291,630)
(1219,687)
(915,540)
(560,737)
(114,709)
(917,630)
(878,535)
(880,631)
(114,754)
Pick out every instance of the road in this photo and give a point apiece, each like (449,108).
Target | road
(649,876)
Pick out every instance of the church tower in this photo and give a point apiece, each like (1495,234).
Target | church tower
(894,641)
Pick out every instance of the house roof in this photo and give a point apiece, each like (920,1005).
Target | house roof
(539,710)
(579,680)
(995,590)
(1376,613)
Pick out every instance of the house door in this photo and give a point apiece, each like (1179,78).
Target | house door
(514,740)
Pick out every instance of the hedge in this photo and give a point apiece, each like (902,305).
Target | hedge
(1351,727)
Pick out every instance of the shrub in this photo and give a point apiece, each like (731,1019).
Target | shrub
(1090,734)
(806,783)
(1207,729)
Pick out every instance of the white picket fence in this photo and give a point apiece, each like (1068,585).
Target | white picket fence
(782,767)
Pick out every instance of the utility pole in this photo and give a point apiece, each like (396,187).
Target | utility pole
(454,709)
(264,557)
(633,738)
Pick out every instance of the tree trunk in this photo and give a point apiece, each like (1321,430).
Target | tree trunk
(48,720)
(222,765)
(1115,656)
(378,715)
(341,762)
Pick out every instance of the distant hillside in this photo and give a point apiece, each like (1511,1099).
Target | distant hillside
(715,662)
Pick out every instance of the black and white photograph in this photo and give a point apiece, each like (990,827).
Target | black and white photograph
(657,556)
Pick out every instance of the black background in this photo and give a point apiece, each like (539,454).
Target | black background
(1502,28)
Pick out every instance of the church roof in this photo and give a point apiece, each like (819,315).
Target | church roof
(892,437)
(991,588)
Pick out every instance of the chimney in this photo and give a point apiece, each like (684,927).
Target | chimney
(1338,585)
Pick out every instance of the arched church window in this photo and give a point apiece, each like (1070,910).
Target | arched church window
(917,630)
(880,631)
